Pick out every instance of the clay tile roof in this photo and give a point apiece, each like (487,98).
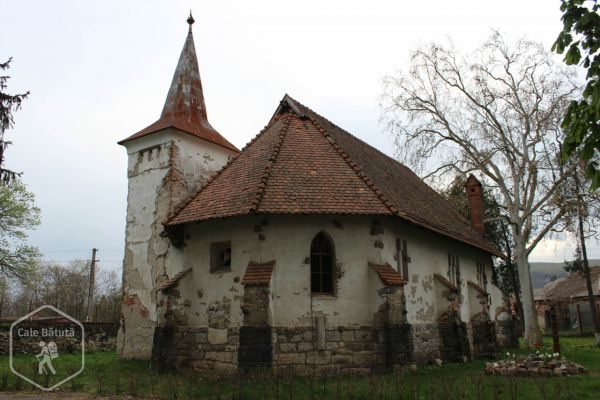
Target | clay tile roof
(388,275)
(258,273)
(184,107)
(171,283)
(572,286)
(301,164)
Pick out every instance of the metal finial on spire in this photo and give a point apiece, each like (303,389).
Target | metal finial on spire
(190,20)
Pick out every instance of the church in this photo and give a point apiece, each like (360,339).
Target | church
(307,251)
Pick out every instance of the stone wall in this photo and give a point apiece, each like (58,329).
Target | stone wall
(295,351)
(454,343)
(426,343)
(484,339)
(98,337)
(319,349)
(199,348)
(346,350)
(506,334)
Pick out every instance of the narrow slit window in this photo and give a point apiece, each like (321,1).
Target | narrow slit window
(403,258)
(481,278)
(322,261)
(454,270)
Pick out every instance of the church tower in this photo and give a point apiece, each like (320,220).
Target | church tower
(167,161)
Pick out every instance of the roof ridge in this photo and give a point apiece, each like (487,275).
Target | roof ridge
(269,167)
(351,136)
(355,167)
(347,133)
(192,196)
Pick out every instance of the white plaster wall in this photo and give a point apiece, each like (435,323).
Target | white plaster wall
(287,241)
(148,160)
(429,254)
(147,254)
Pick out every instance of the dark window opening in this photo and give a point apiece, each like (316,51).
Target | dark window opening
(454,270)
(402,258)
(481,278)
(322,261)
(220,257)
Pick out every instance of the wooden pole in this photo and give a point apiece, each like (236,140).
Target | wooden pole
(88,314)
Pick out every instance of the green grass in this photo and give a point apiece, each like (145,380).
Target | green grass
(105,374)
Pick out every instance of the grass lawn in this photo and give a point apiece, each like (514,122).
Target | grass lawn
(106,375)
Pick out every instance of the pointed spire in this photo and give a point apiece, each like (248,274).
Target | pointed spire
(190,21)
(185,98)
(184,107)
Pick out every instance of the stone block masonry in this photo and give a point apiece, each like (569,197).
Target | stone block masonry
(426,343)
(346,350)
(304,350)
(198,348)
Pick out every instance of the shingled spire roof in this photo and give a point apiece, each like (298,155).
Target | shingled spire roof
(303,164)
(184,107)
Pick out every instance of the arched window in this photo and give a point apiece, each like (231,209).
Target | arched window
(322,261)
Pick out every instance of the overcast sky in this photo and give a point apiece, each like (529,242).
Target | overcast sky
(99,71)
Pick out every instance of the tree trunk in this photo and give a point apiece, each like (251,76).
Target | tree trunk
(513,278)
(532,334)
(586,265)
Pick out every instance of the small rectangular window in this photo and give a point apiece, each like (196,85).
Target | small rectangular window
(481,278)
(402,258)
(220,257)
(454,269)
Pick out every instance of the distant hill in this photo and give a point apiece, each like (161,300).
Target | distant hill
(543,272)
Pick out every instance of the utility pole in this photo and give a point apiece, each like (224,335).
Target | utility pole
(91,288)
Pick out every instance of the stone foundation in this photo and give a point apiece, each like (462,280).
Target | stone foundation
(202,349)
(426,343)
(346,350)
(319,349)
(506,334)
(454,341)
(256,349)
(484,339)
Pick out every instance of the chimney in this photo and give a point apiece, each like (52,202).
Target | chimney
(475,198)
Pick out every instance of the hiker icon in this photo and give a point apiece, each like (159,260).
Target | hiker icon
(47,354)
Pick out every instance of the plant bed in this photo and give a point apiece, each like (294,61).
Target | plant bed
(532,365)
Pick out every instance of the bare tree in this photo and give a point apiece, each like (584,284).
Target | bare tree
(496,111)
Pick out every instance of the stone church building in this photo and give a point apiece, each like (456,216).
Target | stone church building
(308,250)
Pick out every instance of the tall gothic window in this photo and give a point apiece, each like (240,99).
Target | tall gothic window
(322,261)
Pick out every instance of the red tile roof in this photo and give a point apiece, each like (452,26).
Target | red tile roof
(171,283)
(388,275)
(184,108)
(303,164)
(571,286)
(258,273)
